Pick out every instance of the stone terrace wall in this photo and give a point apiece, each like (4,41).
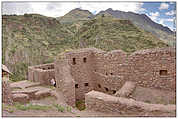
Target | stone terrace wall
(153,68)
(41,73)
(102,102)
(64,79)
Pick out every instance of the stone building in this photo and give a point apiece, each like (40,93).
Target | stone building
(81,71)
(89,69)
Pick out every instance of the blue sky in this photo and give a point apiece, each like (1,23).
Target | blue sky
(160,12)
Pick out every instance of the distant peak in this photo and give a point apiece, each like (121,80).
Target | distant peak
(110,9)
(77,9)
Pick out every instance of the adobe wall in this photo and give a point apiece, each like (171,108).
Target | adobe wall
(64,79)
(144,68)
(102,102)
(41,73)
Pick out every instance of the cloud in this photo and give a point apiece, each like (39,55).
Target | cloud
(170,13)
(154,16)
(164,6)
(56,9)
(15,8)
(162,21)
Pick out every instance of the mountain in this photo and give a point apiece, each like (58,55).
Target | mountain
(110,33)
(144,22)
(32,39)
(75,15)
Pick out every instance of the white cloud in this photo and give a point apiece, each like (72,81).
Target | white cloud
(170,13)
(164,6)
(154,16)
(56,9)
(162,21)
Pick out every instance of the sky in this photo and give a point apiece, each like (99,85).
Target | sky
(160,12)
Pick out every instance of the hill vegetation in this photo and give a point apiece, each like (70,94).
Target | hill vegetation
(32,39)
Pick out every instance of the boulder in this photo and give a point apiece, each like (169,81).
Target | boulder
(22,98)
(42,93)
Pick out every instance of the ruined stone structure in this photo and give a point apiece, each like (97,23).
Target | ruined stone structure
(6,89)
(41,73)
(79,72)
(6,92)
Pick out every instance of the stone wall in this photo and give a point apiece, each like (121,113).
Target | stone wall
(6,92)
(102,102)
(108,84)
(154,68)
(94,69)
(64,79)
(41,73)
(81,63)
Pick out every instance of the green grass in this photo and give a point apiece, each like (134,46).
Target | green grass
(59,108)
(31,107)
(8,108)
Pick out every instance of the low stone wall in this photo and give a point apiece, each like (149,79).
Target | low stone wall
(102,102)
(41,73)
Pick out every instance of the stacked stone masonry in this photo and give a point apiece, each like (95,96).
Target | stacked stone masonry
(81,71)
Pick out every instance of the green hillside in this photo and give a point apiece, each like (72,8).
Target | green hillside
(32,39)
(110,33)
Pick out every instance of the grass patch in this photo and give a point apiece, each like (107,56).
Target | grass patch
(69,109)
(31,107)
(59,107)
(80,105)
(8,108)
